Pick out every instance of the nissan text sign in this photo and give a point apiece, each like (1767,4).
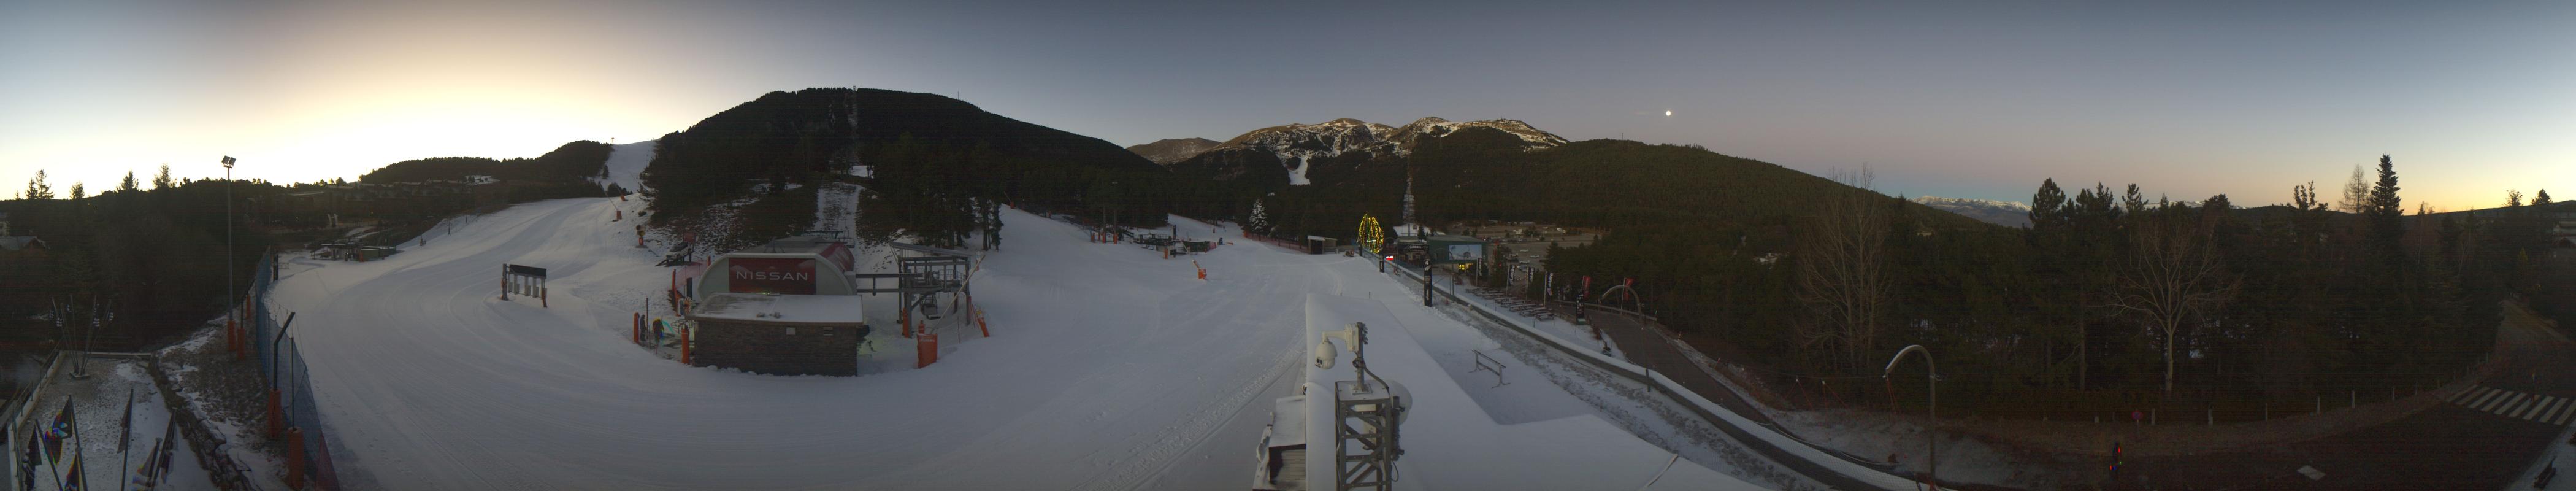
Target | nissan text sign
(785,276)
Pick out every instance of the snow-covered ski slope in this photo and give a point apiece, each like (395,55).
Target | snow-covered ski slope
(1109,368)
(626,162)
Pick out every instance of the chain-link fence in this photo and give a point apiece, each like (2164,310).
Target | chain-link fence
(282,365)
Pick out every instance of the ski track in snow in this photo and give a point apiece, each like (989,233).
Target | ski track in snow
(1107,366)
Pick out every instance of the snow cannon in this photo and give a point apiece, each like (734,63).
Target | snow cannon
(1362,413)
(1367,384)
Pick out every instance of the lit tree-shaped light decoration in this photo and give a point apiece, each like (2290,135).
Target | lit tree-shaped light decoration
(1372,237)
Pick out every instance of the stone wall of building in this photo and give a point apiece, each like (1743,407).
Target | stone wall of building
(778,349)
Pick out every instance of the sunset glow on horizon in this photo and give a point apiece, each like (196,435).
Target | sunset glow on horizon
(2185,100)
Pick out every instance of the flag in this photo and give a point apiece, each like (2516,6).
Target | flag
(126,433)
(74,481)
(143,473)
(170,443)
(27,462)
(55,433)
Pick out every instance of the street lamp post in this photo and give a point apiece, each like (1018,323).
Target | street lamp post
(1426,267)
(1931,449)
(228,236)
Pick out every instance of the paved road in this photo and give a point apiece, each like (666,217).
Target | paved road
(1641,345)
(2484,439)
(1647,348)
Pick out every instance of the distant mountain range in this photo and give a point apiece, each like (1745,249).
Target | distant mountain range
(1300,154)
(2005,213)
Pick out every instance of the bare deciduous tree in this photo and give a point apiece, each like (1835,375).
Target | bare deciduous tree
(2173,274)
(1843,272)
(2356,193)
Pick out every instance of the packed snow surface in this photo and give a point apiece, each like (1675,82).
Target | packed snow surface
(626,164)
(1109,368)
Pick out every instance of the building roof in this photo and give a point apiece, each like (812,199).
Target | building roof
(20,243)
(829,248)
(780,309)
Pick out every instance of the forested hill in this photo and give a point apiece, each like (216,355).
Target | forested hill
(916,146)
(572,161)
(1480,174)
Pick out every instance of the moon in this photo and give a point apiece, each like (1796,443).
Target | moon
(1668,113)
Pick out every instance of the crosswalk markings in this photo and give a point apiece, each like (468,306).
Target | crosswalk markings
(2501,397)
(2492,396)
(2511,402)
(2544,409)
(2539,402)
(2484,396)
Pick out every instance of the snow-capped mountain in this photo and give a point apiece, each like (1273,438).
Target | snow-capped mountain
(1171,150)
(1298,149)
(2005,213)
(1336,137)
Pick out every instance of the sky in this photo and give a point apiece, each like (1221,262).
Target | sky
(2186,99)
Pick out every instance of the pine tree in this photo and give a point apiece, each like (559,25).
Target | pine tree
(37,189)
(128,183)
(162,181)
(1259,223)
(2541,199)
(2133,202)
(79,191)
(2047,207)
(2385,207)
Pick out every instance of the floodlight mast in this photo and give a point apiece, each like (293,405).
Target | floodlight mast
(1931,449)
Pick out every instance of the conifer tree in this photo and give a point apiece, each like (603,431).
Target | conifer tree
(1259,223)
(37,188)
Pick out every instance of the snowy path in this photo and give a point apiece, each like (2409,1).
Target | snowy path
(1110,368)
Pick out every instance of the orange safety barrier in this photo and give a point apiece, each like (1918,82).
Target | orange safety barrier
(929,344)
(295,458)
(276,415)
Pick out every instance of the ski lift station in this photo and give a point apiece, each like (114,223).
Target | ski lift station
(788,307)
(792,306)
